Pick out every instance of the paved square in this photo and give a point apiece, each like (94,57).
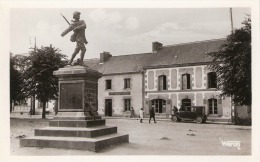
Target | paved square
(161,138)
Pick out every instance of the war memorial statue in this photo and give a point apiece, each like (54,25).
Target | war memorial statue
(78,27)
(77,124)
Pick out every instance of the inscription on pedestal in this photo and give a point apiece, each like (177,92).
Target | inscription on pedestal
(71,96)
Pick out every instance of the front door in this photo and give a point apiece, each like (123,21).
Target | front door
(159,105)
(108,107)
(187,104)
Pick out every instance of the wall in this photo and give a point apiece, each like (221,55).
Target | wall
(136,94)
(27,107)
(49,106)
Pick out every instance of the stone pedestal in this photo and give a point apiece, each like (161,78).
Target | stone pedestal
(77,91)
(77,125)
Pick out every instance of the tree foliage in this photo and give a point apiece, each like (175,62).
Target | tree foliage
(39,75)
(232,63)
(16,82)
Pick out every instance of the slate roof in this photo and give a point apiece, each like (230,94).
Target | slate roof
(126,63)
(92,63)
(187,53)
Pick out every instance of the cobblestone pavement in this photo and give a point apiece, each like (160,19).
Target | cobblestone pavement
(161,138)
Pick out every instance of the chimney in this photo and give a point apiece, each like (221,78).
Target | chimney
(104,57)
(156,46)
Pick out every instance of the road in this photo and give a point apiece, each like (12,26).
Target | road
(161,138)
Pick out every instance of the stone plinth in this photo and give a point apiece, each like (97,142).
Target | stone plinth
(77,91)
(91,135)
(82,143)
(76,132)
(84,134)
(77,125)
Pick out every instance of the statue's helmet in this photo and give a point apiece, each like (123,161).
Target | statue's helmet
(76,13)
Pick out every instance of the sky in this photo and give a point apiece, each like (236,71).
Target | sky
(120,31)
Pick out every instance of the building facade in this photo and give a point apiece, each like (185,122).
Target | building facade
(184,86)
(117,93)
(121,86)
(169,76)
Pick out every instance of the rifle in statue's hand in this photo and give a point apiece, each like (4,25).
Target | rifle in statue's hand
(71,27)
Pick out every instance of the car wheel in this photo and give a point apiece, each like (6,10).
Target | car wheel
(175,118)
(199,120)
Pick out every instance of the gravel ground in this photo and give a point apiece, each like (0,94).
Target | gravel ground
(161,138)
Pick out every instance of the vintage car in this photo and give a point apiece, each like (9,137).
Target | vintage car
(190,113)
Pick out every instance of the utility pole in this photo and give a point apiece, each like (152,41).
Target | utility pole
(233,106)
(34,44)
(33,97)
(231,18)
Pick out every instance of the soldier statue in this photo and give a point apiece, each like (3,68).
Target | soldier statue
(78,26)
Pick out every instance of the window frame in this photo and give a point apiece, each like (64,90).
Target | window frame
(127,83)
(213,106)
(188,81)
(212,83)
(162,83)
(127,104)
(107,81)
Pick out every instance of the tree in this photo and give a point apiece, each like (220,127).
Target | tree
(39,79)
(16,82)
(232,63)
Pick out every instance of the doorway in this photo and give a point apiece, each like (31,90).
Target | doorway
(186,103)
(159,105)
(108,107)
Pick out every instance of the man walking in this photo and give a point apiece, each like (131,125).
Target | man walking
(132,112)
(152,115)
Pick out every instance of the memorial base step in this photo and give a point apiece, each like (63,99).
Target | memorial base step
(91,144)
(77,123)
(76,132)
(76,118)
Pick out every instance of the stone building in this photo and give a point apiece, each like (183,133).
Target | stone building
(121,86)
(176,75)
(180,77)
